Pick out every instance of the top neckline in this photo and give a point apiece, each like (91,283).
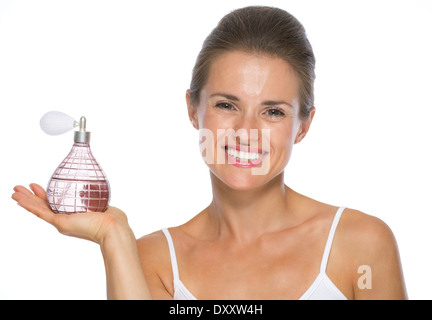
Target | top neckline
(322,275)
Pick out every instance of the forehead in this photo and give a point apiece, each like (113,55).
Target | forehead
(251,75)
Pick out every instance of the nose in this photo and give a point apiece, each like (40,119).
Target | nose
(247,128)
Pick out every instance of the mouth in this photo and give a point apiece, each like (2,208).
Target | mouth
(244,156)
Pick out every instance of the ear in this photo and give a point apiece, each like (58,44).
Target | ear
(192,111)
(304,126)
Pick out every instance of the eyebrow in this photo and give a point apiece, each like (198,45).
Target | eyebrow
(226,96)
(275,103)
(266,103)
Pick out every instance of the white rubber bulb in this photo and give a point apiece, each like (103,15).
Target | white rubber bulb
(55,123)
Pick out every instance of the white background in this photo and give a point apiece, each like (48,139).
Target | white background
(126,65)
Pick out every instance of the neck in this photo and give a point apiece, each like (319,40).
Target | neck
(245,215)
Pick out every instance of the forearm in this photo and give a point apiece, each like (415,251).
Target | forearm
(124,274)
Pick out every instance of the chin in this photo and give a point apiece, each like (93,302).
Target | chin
(239,179)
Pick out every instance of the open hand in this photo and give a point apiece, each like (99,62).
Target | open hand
(93,226)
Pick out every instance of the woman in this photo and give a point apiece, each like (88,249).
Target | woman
(251,97)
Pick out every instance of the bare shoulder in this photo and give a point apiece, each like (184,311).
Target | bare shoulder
(367,243)
(153,241)
(363,230)
(153,250)
(155,261)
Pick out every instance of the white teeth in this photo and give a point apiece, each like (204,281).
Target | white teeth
(243,155)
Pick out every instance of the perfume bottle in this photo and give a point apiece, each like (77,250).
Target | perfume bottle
(79,183)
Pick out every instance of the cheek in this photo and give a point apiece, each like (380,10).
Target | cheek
(212,120)
(209,123)
(283,134)
(282,142)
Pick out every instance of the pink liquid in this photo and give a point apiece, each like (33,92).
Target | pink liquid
(78,184)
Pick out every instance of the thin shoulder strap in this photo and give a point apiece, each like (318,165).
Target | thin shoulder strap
(330,240)
(172,254)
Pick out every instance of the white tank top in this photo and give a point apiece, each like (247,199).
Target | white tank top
(321,289)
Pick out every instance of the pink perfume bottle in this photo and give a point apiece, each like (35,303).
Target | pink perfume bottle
(78,184)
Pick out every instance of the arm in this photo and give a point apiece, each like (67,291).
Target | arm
(124,274)
(125,277)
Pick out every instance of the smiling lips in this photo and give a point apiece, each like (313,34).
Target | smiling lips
(244,156)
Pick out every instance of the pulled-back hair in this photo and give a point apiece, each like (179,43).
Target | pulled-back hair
(260,30)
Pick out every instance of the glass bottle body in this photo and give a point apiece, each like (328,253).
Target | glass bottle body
(79,183)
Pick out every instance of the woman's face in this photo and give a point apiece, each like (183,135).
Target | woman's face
(248,118)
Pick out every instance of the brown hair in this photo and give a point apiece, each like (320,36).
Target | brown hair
(260,30)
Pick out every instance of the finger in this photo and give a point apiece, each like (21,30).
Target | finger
(38,208)
(38,190)
(23,190)
(33,204)
(21,193)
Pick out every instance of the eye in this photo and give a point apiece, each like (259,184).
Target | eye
(225,106)
(274,112)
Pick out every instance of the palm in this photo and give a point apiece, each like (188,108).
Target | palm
(92,226)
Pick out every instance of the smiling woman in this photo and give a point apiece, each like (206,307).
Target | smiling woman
(244,93)
(251,95)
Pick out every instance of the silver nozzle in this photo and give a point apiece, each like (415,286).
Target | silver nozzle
(82,135)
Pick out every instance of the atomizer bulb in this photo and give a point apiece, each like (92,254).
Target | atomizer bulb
(56,122)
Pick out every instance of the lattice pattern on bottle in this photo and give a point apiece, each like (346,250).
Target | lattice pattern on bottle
(78,184)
